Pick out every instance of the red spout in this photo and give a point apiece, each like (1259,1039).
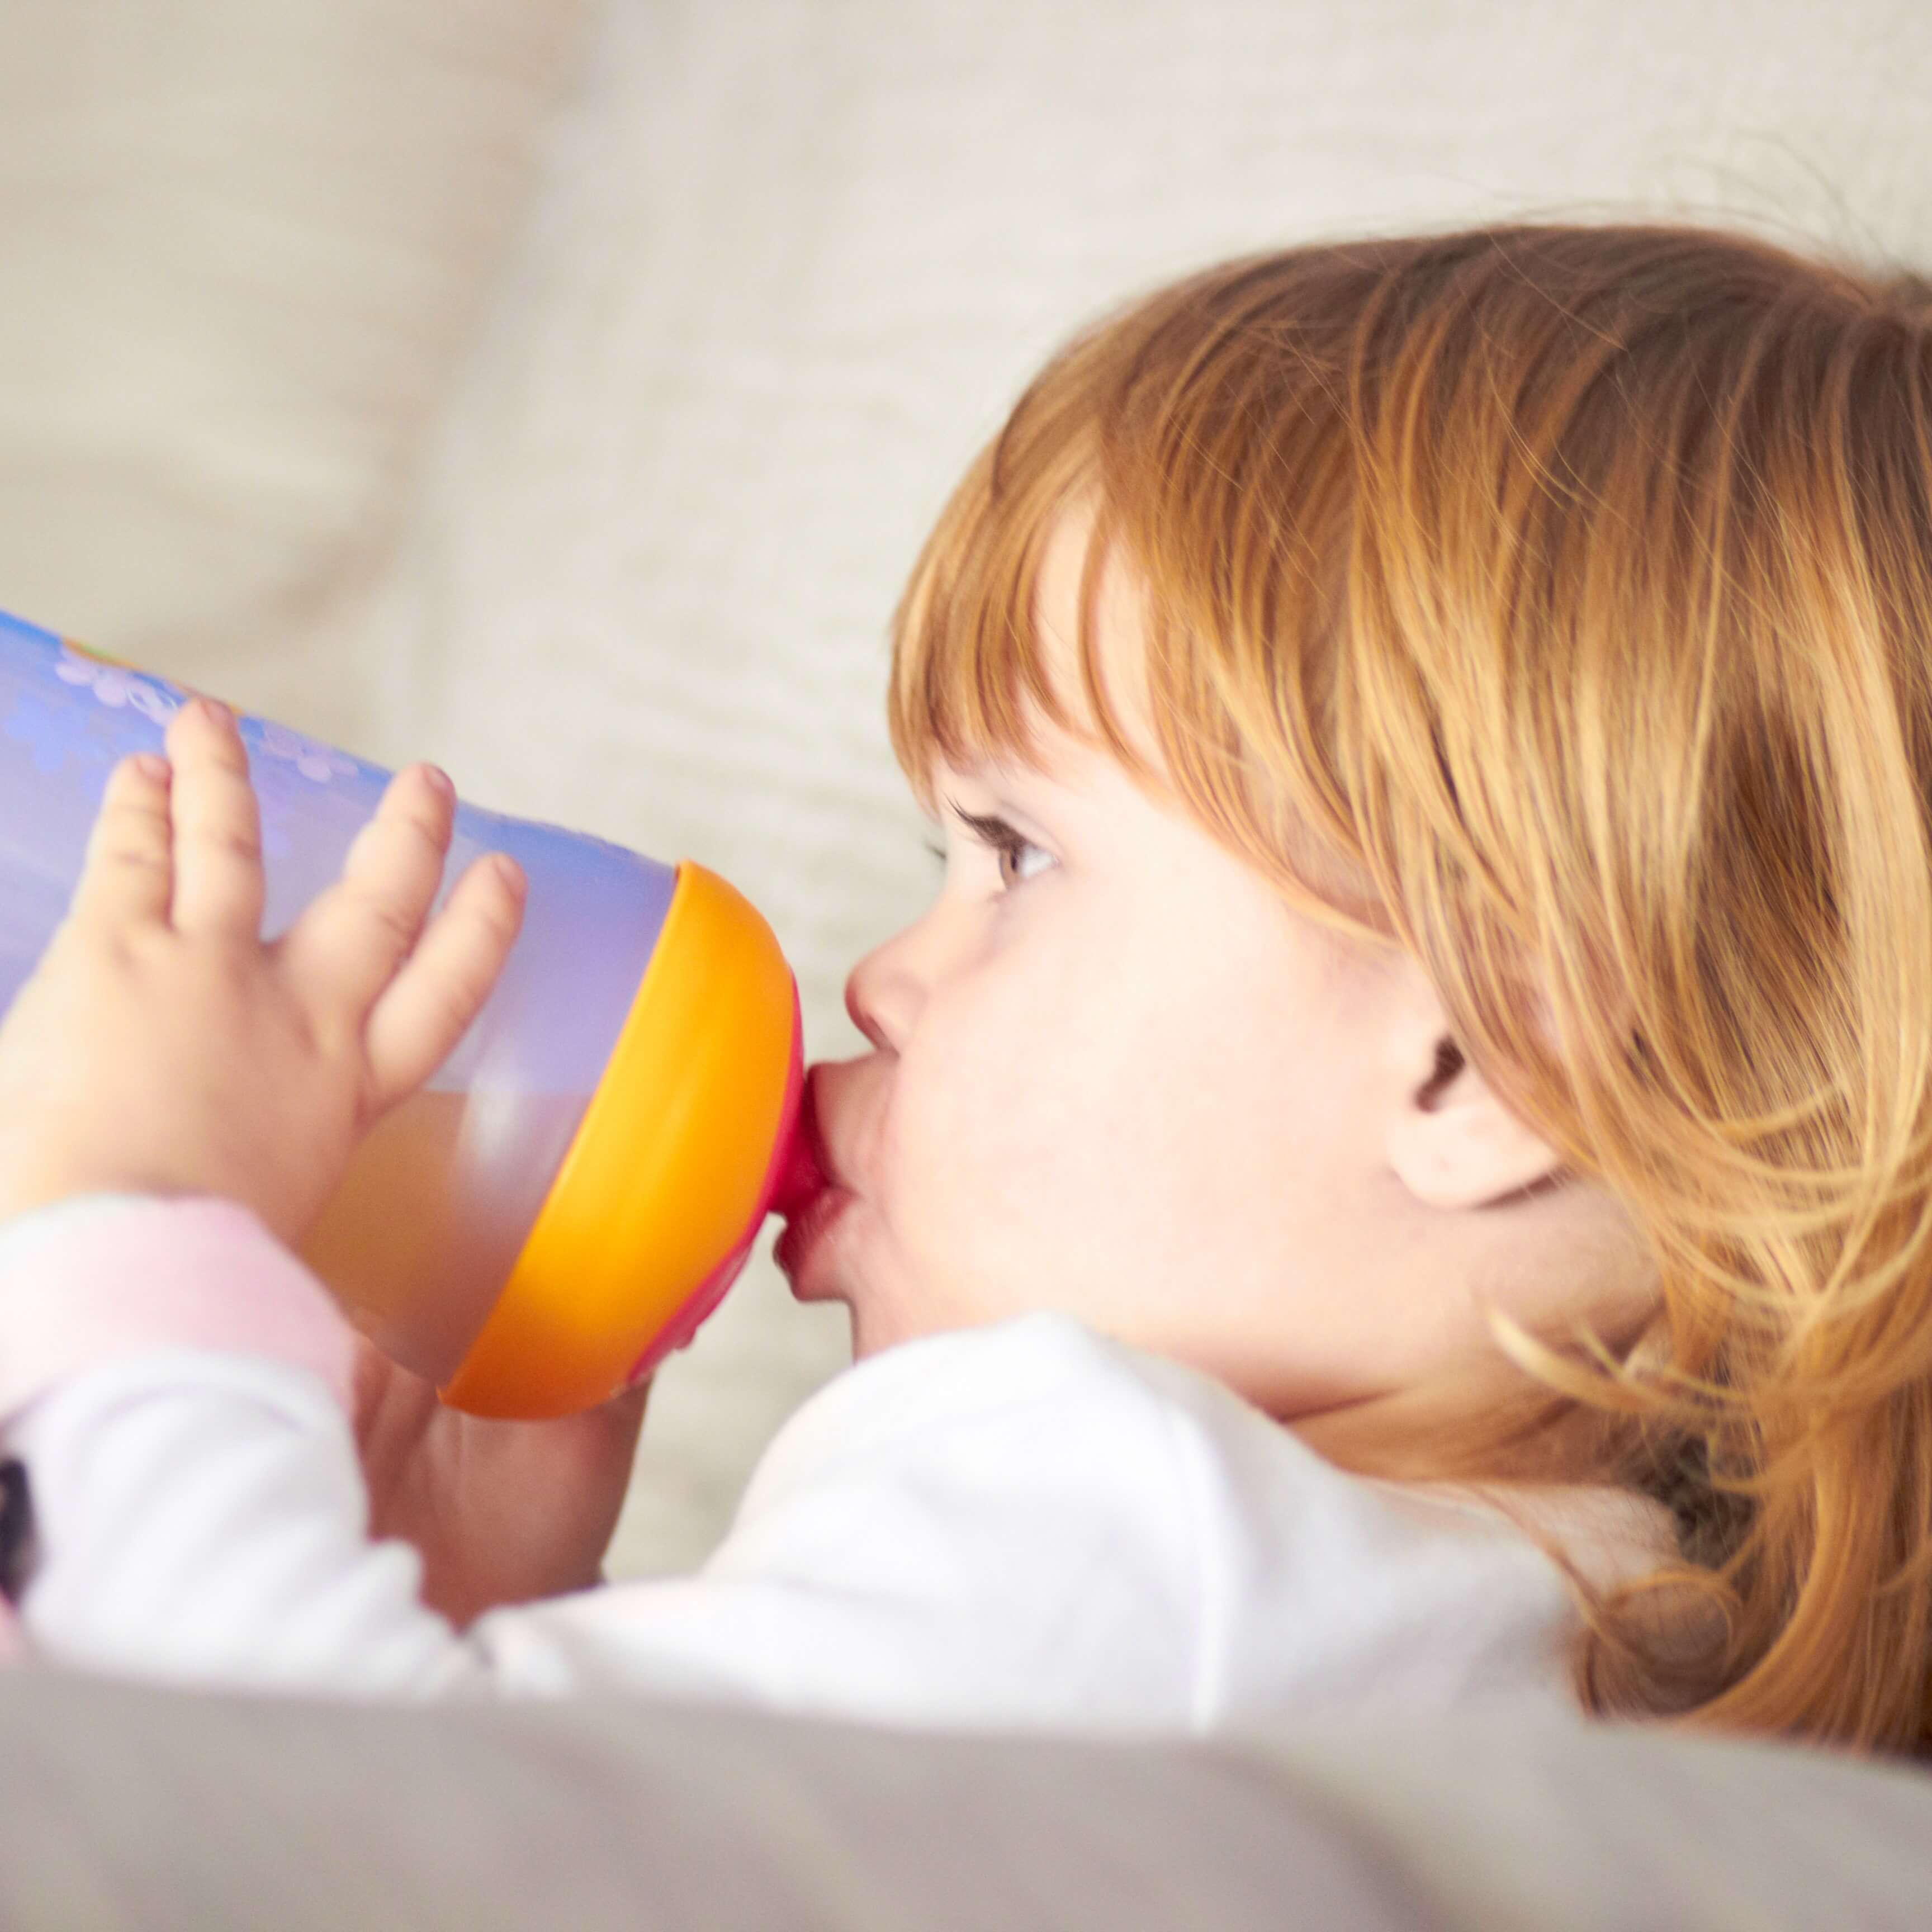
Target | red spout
(800,1178)
(794,1177)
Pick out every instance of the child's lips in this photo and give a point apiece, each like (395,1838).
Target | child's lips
(813,1131)
(804,1231)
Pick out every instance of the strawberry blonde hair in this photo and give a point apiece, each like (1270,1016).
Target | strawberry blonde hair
(1555,603)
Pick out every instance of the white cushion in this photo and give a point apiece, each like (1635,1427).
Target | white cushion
(122,1806)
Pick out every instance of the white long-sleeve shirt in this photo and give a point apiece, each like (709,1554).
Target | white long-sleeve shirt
(1017,1525)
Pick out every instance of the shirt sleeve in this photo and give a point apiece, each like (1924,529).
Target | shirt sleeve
(176,1385)
(984,1529)
(200,1519)
(103,1276)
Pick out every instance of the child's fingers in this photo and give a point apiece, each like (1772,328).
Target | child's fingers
(128,873)
(345,948)
(217,851)
(426,1008)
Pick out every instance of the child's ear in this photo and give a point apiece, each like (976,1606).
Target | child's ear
(1451,1140)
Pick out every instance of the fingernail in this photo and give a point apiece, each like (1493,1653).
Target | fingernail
(439,782)
(509,872)
(151,767)
(217,710)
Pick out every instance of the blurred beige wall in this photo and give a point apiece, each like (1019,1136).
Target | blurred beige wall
(598,481)
(242,243)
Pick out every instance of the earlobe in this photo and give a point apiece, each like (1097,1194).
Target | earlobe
(1452,1144)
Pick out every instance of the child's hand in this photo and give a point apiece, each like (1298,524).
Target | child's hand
(501,1512)
(161,1048)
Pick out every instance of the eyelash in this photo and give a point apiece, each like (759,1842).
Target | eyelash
(997,834)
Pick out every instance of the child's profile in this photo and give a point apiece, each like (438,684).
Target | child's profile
(1392,1171)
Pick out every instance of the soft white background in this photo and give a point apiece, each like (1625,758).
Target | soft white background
(562,390)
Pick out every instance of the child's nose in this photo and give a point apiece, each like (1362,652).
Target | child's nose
(882,995)
(861,1002)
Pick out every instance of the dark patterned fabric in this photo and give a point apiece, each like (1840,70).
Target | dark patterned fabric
(16,1528)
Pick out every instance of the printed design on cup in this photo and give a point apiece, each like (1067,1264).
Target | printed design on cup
(129,713)
(318,763)
(114,685)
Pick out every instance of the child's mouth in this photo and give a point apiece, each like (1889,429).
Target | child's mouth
(803,1231)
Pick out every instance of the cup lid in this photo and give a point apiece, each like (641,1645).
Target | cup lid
(691,1135)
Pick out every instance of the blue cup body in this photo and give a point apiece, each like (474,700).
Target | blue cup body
(515,1087)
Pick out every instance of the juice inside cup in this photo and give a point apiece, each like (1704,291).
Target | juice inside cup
(416,1251)
(383,1242)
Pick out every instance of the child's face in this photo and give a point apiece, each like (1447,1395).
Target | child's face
(1116,1075)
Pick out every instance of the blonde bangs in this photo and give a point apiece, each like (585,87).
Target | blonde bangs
(1237,662)
(968,665)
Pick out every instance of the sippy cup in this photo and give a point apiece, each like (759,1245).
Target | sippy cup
(583,1178)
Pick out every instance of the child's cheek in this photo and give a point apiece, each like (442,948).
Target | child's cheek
(1010,1148)
(954,1142)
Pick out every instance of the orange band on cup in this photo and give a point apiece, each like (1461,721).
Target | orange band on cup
(666,1169)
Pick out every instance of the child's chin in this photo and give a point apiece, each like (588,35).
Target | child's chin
(878,1325)
(873,1329)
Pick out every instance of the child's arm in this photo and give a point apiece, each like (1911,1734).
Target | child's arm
(176,1386)
(160,1049)
(986,1528)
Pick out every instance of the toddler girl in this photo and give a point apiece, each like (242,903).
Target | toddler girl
(1393,1173)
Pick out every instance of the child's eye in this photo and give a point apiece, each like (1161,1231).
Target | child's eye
(996,833)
